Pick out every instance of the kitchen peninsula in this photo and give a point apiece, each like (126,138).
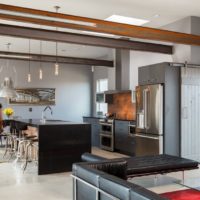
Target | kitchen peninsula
(61,143)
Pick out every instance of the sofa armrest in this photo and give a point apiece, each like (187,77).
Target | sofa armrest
(88,157)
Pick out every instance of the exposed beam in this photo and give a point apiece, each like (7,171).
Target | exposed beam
(103,26)
(66,37)
(50,58)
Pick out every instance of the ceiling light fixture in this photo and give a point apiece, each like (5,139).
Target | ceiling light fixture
(29,63)
(92,68)
(7,89)
(56,64)
(40,70)
(126,20)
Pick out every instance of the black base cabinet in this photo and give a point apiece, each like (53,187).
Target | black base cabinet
(95,130)
(123,142)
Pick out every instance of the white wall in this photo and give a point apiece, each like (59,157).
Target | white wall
(139,58)
(73,89)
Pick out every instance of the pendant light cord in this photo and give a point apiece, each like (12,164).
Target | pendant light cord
(40,54)
(8,61)
(29,67)
(57,7)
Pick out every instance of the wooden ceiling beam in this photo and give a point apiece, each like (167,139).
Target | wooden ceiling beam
(53,59)
(103,26)
(66,37)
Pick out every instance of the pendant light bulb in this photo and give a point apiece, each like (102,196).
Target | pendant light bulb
(56,69)
(40,74)
(92,68)
(29,77)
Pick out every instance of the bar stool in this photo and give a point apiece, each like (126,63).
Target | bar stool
(26,145)
(31,152)
(9,143)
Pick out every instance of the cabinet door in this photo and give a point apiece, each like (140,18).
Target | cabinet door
(121,133)
(95,132)
(123,142)
(151,75)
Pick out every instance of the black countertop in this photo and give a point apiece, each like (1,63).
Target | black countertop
(102,117)
(38,122)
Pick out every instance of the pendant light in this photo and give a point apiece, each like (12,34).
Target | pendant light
(7,89)
(29,64)
(40,70)
(56,64)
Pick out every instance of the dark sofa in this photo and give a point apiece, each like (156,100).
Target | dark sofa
(105,179)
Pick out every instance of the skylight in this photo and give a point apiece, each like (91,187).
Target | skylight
(126,20)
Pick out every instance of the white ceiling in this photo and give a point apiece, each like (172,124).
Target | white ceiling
(168,11)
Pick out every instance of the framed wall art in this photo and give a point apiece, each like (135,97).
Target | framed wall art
(34,96)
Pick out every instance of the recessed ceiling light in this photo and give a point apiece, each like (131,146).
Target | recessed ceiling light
(126,20)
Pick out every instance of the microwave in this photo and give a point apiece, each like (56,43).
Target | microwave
(104,98)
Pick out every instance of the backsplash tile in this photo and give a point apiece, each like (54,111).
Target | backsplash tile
(123,106)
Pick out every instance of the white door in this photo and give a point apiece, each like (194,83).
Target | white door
(190,114)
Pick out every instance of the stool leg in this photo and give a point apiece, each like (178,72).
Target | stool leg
(6,147)
(26,156)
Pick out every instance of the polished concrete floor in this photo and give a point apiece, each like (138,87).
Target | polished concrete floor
(14,184)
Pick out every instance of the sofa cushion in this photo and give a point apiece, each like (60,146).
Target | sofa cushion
(148,164)
(114,167)
(87,173)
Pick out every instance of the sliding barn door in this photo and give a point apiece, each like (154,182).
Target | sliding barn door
(190,113)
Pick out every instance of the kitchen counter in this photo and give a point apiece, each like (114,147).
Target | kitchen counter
(103,117)
(61,143)
(38,122)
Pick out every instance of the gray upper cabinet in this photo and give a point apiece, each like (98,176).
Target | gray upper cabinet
(151,75)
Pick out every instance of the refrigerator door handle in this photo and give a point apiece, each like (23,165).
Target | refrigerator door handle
(146,136)
(145,104)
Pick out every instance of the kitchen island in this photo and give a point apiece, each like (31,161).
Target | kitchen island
(61,143)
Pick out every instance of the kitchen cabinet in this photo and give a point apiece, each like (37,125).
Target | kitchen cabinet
(151,75)
(95,130)
(123,142)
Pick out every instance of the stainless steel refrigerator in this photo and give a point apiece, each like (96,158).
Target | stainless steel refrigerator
(149,126)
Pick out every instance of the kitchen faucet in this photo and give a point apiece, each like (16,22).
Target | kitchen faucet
(43,113)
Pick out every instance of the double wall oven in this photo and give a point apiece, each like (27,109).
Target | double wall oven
(107,134)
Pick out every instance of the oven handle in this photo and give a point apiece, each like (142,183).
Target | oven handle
(146,136)
(132,125)
(105,124)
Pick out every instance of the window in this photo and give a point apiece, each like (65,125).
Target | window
(101,86)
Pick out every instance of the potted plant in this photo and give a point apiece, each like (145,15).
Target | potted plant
(8,112)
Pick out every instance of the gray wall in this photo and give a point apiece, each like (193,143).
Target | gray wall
(73,89)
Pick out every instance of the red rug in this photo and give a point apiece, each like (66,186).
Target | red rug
(183,195)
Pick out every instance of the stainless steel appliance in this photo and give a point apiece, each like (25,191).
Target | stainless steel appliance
(149,120)
(107,134)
